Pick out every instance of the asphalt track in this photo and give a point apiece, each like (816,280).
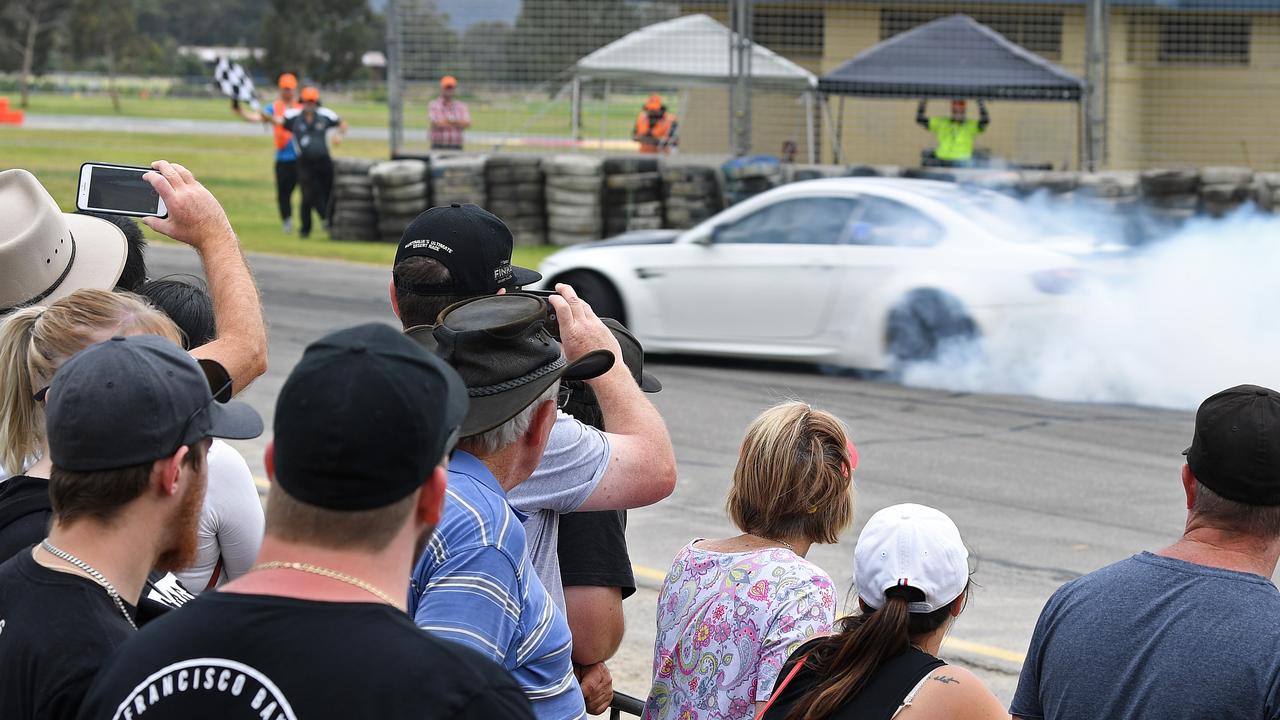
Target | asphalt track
(1042,491)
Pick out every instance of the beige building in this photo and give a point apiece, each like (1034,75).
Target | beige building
(1196,82)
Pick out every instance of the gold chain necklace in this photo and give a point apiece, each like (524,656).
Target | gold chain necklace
(326,572)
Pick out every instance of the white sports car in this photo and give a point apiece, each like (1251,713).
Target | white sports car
(859,272)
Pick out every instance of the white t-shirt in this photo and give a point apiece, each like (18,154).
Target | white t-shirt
(231,521)
(575,459)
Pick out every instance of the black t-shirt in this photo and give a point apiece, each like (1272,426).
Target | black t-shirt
(24,513)
(878,699)
(56,629)
(232,656)
(309,134)
(593,550)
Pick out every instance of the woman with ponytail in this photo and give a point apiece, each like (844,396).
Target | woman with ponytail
(34,343)
(732,610)
(912,573)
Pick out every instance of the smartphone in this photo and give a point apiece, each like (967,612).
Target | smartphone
(119,190)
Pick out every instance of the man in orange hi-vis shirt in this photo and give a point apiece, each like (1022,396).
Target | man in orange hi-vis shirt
(286,153)
(655,128)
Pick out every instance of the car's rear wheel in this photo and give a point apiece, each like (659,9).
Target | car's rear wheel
(926,323)
(597,291)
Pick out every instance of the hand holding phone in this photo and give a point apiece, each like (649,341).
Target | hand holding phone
(195,217)
(118,190)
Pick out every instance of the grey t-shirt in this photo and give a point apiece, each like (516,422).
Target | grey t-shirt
(575,460)
(1153,638)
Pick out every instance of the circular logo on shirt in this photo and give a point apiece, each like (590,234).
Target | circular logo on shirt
(228,688)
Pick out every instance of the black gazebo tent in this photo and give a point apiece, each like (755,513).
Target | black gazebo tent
(953,57)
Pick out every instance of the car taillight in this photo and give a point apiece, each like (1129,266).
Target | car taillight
(1057,282)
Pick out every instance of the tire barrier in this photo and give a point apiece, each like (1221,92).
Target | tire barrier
(400,192)
(352,212)
(632,195)
(574,198)
(458,179)
(515,187)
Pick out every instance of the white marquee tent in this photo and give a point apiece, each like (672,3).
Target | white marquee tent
(692,51)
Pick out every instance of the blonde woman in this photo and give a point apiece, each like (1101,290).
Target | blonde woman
(733,609)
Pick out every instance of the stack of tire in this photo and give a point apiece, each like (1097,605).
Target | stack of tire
(1054,182)
(514,184)
(1224,189)
(632,195)
(352,213)
(458,179)
(1170,196)
(1266,191)
(795,173)
(574,185)
(400,194)
(691,194)
(745,177)
(1116,190)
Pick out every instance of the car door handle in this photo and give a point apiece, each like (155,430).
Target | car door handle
(646,273)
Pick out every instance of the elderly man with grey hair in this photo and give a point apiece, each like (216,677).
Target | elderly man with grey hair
(475,584)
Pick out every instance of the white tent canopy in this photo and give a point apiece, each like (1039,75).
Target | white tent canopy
(693,50)
(690,50)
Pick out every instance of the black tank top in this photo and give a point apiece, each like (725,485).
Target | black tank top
(879,698)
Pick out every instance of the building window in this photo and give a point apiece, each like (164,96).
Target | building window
(1205,41)
(788,31)
(1036,30)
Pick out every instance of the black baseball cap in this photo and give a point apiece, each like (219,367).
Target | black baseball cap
(472,243)
(364,419)
(1235,451)
(133,400)
(500,346)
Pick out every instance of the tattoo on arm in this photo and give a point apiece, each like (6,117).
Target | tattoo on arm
(945,679)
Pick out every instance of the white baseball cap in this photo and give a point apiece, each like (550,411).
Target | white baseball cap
(915,546)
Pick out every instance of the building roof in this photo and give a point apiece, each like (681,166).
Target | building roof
(954,56)
(689,50)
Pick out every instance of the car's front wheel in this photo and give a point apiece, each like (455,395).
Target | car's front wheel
(925,324)
(597,291)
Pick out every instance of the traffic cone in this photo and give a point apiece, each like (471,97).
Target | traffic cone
(7,116)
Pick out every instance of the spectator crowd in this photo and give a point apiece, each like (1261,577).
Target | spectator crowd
(443,536)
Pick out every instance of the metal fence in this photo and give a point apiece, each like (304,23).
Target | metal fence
(1166,82)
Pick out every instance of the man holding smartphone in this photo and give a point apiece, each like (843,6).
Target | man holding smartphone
(310,126)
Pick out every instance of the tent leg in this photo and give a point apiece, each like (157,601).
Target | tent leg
(576,109)
(829,124)
(604,114)
(840,133)
(808,127)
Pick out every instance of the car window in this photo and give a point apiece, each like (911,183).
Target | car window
(802,221)
(888,222)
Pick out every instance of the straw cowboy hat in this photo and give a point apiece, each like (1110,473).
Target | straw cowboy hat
(46,254)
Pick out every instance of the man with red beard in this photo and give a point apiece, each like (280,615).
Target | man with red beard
(129,423)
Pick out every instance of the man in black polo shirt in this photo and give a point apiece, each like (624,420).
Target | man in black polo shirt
(310,126)
(363,428)
(128,423)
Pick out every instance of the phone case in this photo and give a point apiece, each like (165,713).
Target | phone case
(82,208)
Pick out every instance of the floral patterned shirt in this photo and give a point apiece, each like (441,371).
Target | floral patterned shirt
(726,624)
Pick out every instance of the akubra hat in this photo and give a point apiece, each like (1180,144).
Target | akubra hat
(501,347)
(46,254)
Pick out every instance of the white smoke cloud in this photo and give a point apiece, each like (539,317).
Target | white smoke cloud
(1182,318)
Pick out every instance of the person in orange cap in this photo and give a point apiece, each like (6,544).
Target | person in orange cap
(286,154)
(310,127)
(449,117)
(655,128)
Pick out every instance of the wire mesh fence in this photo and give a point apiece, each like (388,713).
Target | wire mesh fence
(1158,82)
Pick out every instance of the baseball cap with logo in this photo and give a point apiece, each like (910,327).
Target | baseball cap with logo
(364,418)
(1235,451)
(472,243)
(133,400)
(46,254)
(915,546)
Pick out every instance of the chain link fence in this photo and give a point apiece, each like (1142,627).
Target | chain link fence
(1165,82)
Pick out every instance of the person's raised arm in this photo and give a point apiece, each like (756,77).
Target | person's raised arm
(196,219)
(921,119)
(248,115)
(642,463)
(983,118)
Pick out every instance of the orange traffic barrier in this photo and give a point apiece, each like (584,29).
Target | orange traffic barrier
(7,116)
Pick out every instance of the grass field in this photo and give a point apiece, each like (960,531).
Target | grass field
(238,171)
(499,113)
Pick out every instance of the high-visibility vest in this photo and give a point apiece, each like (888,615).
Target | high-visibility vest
(278,108)
(660,130)
(955,138)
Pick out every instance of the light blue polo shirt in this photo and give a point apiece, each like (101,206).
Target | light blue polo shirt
(474,585)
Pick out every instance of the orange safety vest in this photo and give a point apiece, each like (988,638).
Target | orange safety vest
(278,109)
(660,130)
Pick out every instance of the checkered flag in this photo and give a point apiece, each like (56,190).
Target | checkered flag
(235,82)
